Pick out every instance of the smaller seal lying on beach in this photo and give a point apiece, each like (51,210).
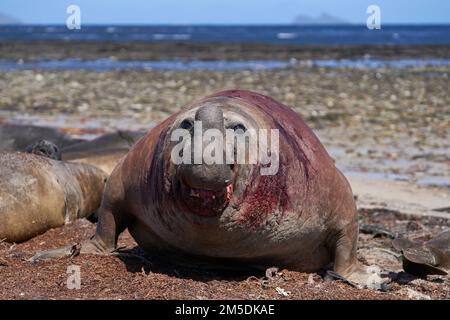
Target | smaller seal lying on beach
(38,193)
(103,152)
(423,258)
(15,137)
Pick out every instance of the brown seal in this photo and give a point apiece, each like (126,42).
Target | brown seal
(38,193)
(302,217)
(425,257)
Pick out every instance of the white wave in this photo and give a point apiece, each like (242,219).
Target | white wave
(287,35)
(176,36)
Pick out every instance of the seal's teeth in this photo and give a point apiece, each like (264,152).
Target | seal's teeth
(229,191)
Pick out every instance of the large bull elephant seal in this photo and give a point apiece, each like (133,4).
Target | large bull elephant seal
(301,218)
(103,152)
(38,193)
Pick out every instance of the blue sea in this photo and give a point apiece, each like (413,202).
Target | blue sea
(338,35)
(283,34)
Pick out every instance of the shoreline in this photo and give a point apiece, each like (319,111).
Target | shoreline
(85,50)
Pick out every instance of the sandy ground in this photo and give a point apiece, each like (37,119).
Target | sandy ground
(401,196)
(388,131)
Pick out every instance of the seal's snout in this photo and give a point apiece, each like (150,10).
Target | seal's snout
(207,177)
(213,177)
(206,188)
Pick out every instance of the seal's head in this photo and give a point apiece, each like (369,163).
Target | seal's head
(214,152)
(45,148)
(202,186)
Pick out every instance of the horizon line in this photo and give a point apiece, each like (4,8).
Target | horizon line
(231,24)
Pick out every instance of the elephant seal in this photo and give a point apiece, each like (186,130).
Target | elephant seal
(45,148)
(303,217)
(424,258)
(16,137)
(38,193)
(103,152)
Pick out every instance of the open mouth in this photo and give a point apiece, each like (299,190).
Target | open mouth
(206,203)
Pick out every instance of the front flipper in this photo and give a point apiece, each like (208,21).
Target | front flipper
(64,252)
(91,246)
(111,223)
(331,275)
(361,277)
(366,277)
(346,265)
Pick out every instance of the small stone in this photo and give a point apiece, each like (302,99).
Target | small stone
(282,292)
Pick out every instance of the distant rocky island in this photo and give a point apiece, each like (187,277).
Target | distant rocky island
(5,19)
(324,18)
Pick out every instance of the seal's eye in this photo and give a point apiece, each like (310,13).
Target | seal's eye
(187,124)
(239,126)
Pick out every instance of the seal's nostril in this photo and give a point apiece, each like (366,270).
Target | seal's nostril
(187,124)
(239,126)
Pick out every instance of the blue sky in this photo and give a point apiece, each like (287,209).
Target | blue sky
(223,11)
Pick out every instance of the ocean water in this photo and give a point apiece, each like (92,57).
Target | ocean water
(114,65)
(287,34)
(284,34)
(103,65)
